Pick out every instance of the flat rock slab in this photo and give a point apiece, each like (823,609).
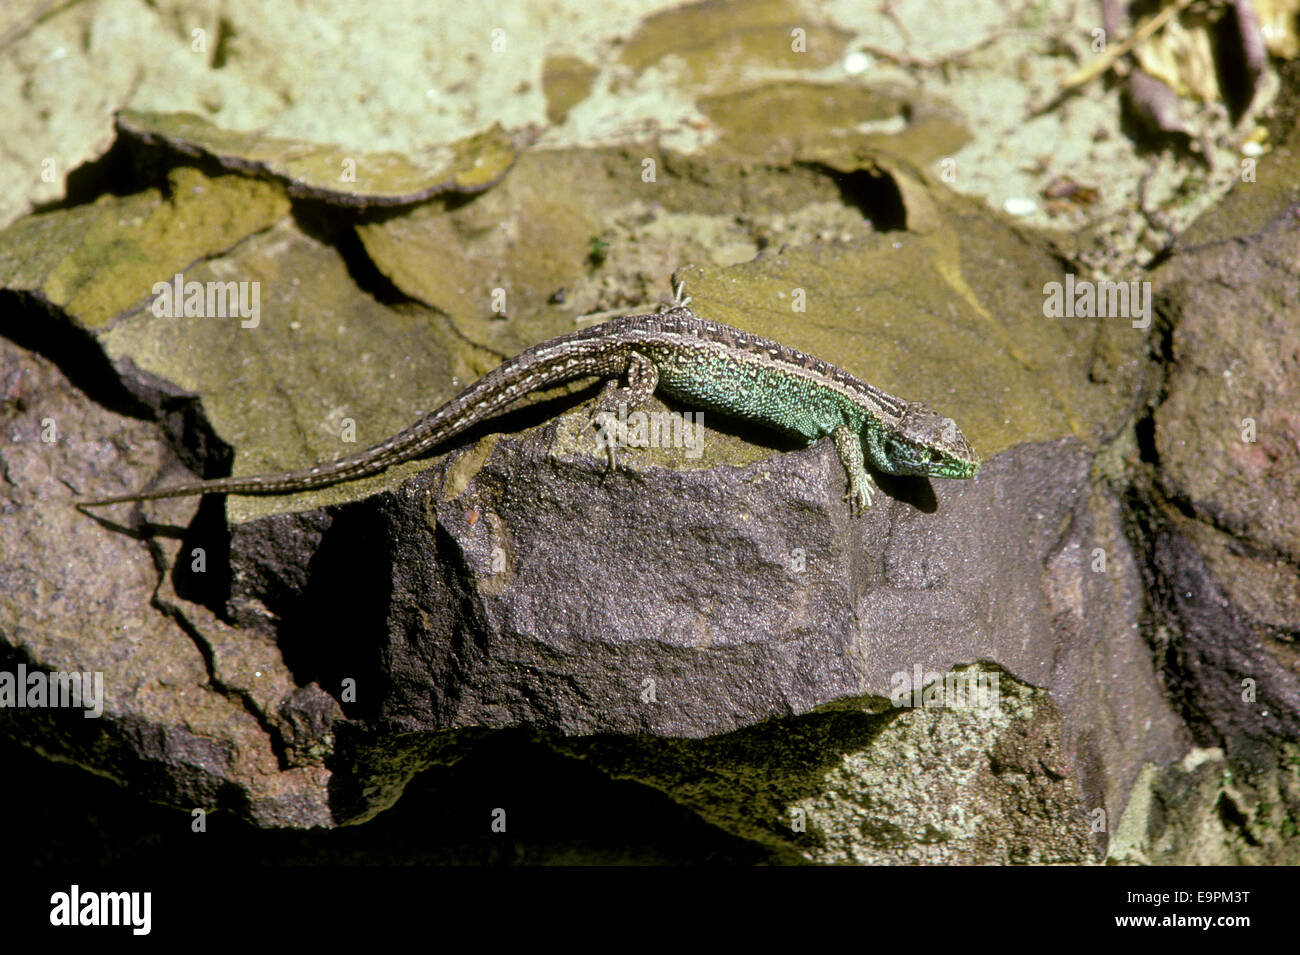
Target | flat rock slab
(325,172)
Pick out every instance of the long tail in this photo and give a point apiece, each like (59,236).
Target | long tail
(497,389)
(372,460)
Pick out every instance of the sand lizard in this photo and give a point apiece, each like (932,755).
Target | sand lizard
(699,362)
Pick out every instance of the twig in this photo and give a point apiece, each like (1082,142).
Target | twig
(1090,71)
(943,59)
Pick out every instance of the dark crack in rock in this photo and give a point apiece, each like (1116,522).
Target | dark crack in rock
(184,718)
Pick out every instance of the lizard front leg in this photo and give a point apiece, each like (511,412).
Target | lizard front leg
(642,379)
(849,445)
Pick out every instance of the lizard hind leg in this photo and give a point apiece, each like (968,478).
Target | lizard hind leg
(615,401)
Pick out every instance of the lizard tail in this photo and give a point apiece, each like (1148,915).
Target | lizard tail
(216,486)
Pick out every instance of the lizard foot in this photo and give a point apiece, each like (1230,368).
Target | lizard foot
(859,494)
(611,432)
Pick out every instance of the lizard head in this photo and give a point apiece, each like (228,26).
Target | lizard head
(927,443)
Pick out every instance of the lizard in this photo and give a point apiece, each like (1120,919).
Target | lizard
(678,353)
